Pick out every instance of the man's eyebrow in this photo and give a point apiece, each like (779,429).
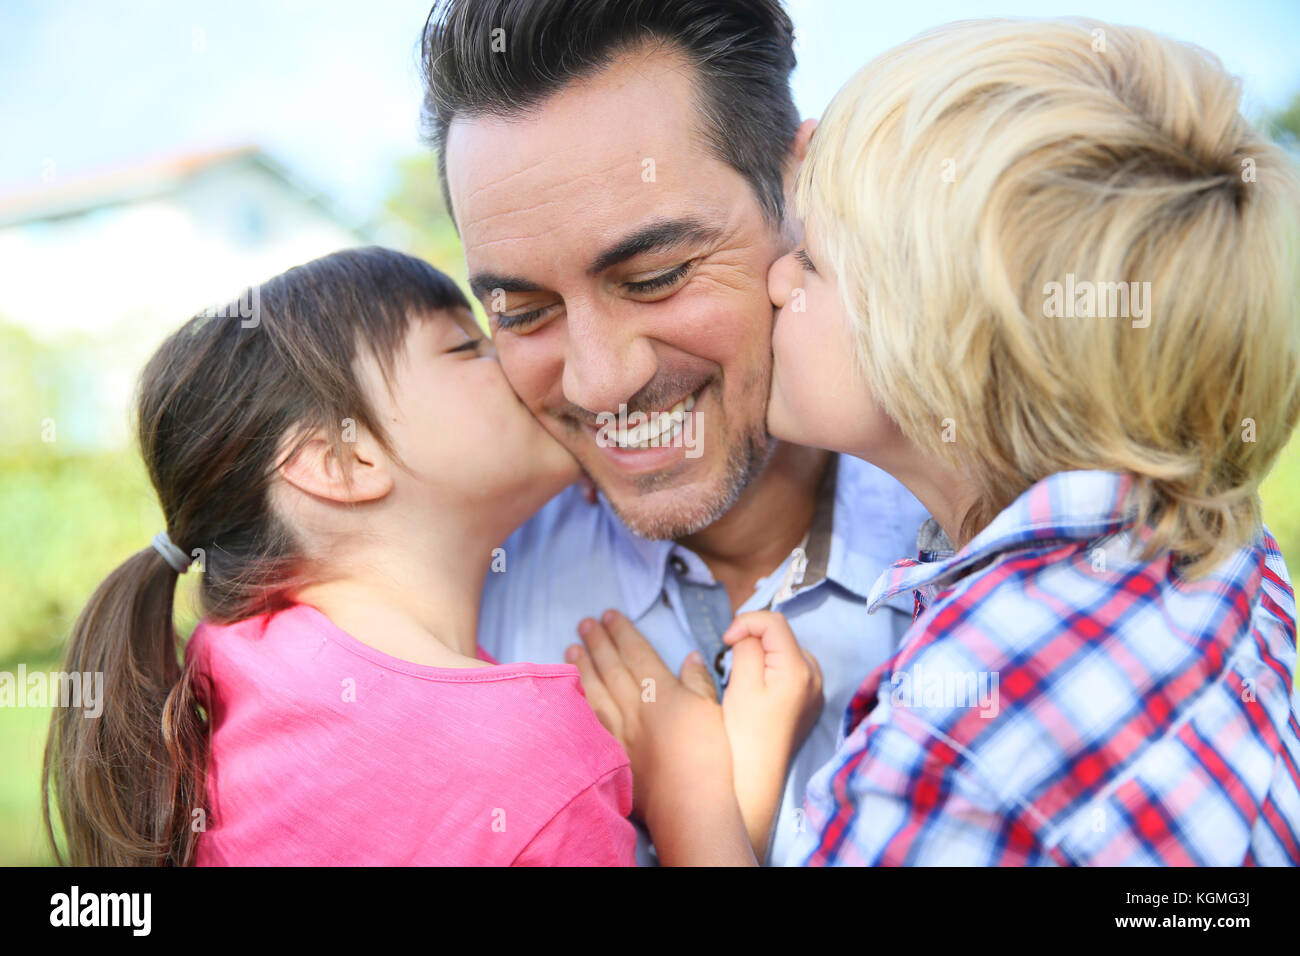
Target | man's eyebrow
(481,283)
(653,237)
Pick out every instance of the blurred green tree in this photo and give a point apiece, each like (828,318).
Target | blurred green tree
(1284,125)
(415,219)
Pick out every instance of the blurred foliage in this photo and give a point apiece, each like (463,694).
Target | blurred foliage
(416,219)
(67,518)
(416,201)
(1284,125)
(1280,495)
(67,521)
(22,743)
(29,374)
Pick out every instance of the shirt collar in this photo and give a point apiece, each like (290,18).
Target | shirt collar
(818,542)
(860,524)
(1067,506)
(876,522)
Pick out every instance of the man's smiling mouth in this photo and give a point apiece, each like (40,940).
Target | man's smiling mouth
(644,431)
(636,430)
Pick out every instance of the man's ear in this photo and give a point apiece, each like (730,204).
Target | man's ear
(799,145)
(363,473)
(798,153)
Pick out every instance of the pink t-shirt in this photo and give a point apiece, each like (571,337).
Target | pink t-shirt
(326,751)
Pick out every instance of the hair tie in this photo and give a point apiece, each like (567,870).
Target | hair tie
(178,559)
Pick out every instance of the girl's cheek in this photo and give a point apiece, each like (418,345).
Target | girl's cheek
(491,397)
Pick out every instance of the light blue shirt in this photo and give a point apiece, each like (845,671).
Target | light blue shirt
(574,559)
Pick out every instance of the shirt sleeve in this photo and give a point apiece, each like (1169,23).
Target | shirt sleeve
(592,829)
(898,795)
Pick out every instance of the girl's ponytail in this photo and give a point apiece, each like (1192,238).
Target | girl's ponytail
(220,403)
(128,780)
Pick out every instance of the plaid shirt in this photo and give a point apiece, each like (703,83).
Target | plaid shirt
(1060,701)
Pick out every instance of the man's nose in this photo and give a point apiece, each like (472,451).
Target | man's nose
(607,359)
(782,279)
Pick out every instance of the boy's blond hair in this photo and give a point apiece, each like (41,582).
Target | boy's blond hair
(967,185)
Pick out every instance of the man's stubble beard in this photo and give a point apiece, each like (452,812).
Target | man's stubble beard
(747,456)
(746,460)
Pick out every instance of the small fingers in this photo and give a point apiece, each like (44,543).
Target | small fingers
(609,662)
(814,667)
(747,663)
(598,696)
(695,676)
(640,657)
(770,626)
(749,624)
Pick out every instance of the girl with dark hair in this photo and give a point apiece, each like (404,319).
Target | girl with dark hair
(342,465)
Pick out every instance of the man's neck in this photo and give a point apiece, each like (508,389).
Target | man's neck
(766,523)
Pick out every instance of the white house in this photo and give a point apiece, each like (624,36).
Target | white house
(104,267)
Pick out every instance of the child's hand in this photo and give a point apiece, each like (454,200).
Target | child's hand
(675,738)
(771,703)
(670,728)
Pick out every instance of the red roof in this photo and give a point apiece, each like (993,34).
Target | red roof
(124,183)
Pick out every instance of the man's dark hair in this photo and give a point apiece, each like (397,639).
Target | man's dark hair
(743,52)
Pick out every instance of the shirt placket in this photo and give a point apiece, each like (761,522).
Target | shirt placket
(707,608)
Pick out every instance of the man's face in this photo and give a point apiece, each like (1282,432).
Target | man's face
(622,264)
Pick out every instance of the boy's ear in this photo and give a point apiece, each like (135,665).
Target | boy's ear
(362,474)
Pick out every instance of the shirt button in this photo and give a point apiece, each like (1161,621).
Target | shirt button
(717,661)
(678,565)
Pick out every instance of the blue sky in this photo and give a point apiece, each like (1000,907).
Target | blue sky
(332,87)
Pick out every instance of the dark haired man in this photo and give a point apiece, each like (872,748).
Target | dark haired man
(618,172)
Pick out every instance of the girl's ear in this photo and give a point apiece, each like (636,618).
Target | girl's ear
(362,474)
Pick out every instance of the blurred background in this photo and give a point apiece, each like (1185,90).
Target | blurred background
(160,156)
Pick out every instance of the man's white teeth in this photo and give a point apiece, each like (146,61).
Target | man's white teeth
(662,428)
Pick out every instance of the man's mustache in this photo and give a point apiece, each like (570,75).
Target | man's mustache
(657,396)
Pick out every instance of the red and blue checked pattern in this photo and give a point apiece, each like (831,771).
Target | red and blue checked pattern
(1060,701)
